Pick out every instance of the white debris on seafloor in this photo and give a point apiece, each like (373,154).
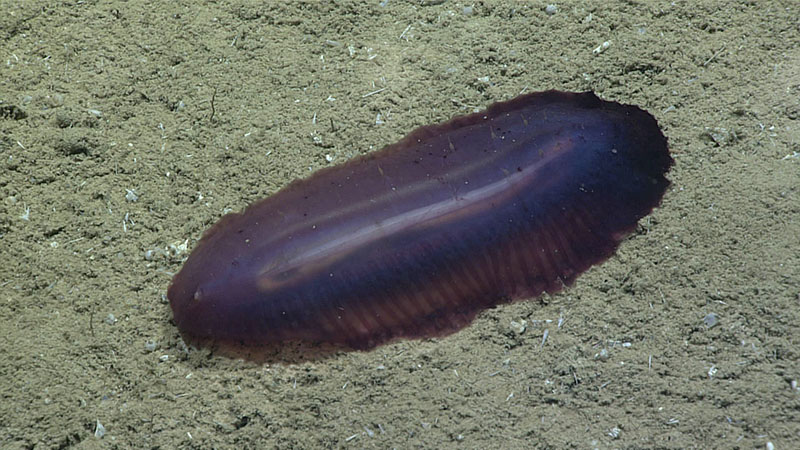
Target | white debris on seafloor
(602,47)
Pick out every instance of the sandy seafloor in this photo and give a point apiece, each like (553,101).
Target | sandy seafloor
(109,153)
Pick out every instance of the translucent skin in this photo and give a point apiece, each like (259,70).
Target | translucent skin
(416,239)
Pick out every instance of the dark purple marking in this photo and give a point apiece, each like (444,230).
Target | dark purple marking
(416,239)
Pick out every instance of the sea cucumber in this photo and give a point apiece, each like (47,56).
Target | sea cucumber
(416,239)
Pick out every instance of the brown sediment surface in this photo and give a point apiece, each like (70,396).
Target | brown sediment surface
(127,129)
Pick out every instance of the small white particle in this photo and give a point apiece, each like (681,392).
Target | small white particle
(602,47)
(131,195)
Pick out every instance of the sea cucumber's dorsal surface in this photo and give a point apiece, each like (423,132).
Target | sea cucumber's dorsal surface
(416,239)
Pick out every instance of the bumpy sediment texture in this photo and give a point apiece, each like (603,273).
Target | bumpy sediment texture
(416,239)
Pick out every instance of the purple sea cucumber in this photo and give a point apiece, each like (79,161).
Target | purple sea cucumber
(416,239)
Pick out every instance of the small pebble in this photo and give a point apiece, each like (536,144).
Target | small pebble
(551,9)
(99,430)
(711,320)
(110,319)
(54,101)
(519,327)
(150,346)
(131,195)
(721,136)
